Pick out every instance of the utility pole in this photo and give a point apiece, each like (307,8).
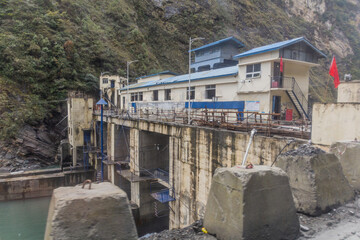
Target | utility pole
(191,40)
(127,80)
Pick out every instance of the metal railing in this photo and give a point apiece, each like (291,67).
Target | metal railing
(290,84)
(265,123)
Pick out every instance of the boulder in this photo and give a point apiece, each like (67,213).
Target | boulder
(348,154)
(251,204)
(102,212)
(316,179)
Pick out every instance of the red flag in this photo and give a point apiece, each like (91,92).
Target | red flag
(281,65)
(334,72)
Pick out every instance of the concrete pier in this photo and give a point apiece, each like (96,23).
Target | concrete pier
(251,204)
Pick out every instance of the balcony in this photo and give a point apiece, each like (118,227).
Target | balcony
(282,82)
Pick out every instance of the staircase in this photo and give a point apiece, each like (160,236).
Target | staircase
(294,92)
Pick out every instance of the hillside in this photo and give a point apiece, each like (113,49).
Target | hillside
(50,46)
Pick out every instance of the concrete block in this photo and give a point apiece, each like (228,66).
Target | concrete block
(348,154)
(316,179)
(251,204)
(103,212)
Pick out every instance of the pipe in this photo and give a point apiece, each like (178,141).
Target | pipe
(248,147)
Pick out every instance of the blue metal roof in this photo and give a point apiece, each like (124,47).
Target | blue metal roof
(160,73)
(229,39)
(276,46)
(221,72)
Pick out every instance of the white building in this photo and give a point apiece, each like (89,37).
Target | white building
(254,84)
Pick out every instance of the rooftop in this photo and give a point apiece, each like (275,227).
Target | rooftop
(157,74)
(276,46)
(229,39)
(221,72)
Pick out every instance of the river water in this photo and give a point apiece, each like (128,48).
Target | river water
(23,219)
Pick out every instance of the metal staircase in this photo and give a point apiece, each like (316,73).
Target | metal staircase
(298,98)
(294,92)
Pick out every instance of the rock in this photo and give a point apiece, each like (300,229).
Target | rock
(103,212)
(316,179)
(304,228)
(251,204)
(348,154)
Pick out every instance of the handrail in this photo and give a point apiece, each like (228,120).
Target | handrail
(290,84)
(300,95)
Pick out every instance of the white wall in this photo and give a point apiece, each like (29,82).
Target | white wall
(335,122)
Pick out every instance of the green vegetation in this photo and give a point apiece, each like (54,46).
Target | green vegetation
(50,47)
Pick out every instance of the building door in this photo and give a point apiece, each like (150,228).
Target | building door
(278,76)
(87,137)
(276,107)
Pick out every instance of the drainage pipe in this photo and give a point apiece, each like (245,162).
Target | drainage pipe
(248,147)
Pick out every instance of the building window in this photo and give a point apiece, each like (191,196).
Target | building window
(253,70)
(192,93)
(210,91)
(105,80)
(136,96)
(112,83)
(167,94)
(155,95)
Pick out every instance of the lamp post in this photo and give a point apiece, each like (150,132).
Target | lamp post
(127,80)
(102,103)
(191,40)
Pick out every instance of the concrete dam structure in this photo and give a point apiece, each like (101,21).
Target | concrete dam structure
(166,168)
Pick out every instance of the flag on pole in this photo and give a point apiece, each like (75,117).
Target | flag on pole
(334,72)
(281,65)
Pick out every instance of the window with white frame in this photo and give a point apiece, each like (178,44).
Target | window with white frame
(253,70)
(140,98)
(192,93)
(105,80)
(210,91)
(167,96)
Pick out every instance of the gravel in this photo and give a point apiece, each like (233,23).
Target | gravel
(304,149)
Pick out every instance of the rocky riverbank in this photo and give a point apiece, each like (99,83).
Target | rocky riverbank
(35,147)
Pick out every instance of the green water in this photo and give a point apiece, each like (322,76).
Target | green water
(23,219)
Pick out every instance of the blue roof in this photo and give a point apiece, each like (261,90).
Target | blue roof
(160,73)
(221,72)
(229,39)
(276,46)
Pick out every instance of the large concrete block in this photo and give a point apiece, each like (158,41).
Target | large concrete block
(316,179)
(348,154)
(251,204)
(103,212)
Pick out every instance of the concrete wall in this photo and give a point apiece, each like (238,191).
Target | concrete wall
(33,185)
(80,114)
(194,154)
(335,122)
(349,92)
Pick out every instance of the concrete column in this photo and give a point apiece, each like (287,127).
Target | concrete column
(112,142)
(134,150)
(174,175)
(74,155)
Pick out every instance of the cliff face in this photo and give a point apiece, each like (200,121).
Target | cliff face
(50,46)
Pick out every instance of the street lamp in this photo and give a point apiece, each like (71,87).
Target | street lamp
(191,40)
(127,80)
(102,103)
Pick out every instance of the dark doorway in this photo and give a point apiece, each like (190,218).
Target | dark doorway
(276,108)
(277,81)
